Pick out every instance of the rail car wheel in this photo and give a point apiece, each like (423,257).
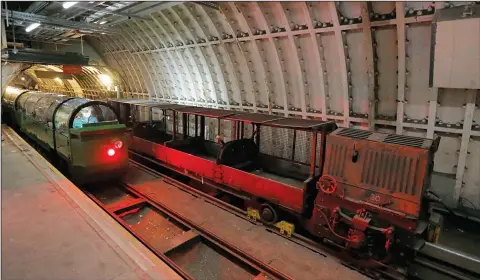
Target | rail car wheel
(268,214)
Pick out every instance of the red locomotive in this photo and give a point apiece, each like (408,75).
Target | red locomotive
(361,190)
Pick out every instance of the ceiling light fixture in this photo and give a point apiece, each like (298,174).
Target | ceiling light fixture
(67,5)
(32,26)
(105,79)
(103,22)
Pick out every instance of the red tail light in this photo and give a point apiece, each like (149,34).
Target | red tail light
(111,152)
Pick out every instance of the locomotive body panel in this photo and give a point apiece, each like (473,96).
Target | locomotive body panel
(383,174)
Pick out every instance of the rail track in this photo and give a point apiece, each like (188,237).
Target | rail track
(429,262)
(381,272)
(186,233)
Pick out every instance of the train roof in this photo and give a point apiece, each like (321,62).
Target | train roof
(162,105)
(306,124)
(253,117)
(280,121)
(207,112)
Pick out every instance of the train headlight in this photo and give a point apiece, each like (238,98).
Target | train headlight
(118,144)
(111,152)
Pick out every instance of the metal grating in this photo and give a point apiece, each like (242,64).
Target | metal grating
(247,131)
(210,129)
(169,121)
(336,161)
(276,141)
(303,147)
(355,133)
(404,140)
(191,125)
(387,170)
(226,130)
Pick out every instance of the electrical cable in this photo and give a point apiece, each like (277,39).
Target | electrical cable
(443,203)
(463,198)
(330,227)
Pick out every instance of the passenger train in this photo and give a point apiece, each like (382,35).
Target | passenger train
(84,136)
(364,191)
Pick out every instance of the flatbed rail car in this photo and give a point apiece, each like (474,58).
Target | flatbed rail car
(362,190)
(82,135)
(238,161)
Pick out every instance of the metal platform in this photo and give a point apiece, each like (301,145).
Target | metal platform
(51,230)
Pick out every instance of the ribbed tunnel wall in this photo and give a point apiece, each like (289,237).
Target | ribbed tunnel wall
(363,65)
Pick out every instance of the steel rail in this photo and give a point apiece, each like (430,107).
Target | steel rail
(243,257)
(210,236)
(159,254)
(346,259)
(424,262)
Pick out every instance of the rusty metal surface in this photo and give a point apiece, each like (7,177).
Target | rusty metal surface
(387,173)
(154,227)
(204,262)
(290,258)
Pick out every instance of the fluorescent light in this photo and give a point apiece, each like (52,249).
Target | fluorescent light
(67,5)
(105,79)
(103,22)
(32,26)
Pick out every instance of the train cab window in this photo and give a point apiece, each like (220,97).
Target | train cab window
(63,113)
(94,115)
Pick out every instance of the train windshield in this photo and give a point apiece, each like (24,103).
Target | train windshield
(94,115)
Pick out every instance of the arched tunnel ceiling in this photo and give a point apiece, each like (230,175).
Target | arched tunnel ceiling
(364,65)
(50,78)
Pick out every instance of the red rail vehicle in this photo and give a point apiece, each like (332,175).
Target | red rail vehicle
(361,190)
